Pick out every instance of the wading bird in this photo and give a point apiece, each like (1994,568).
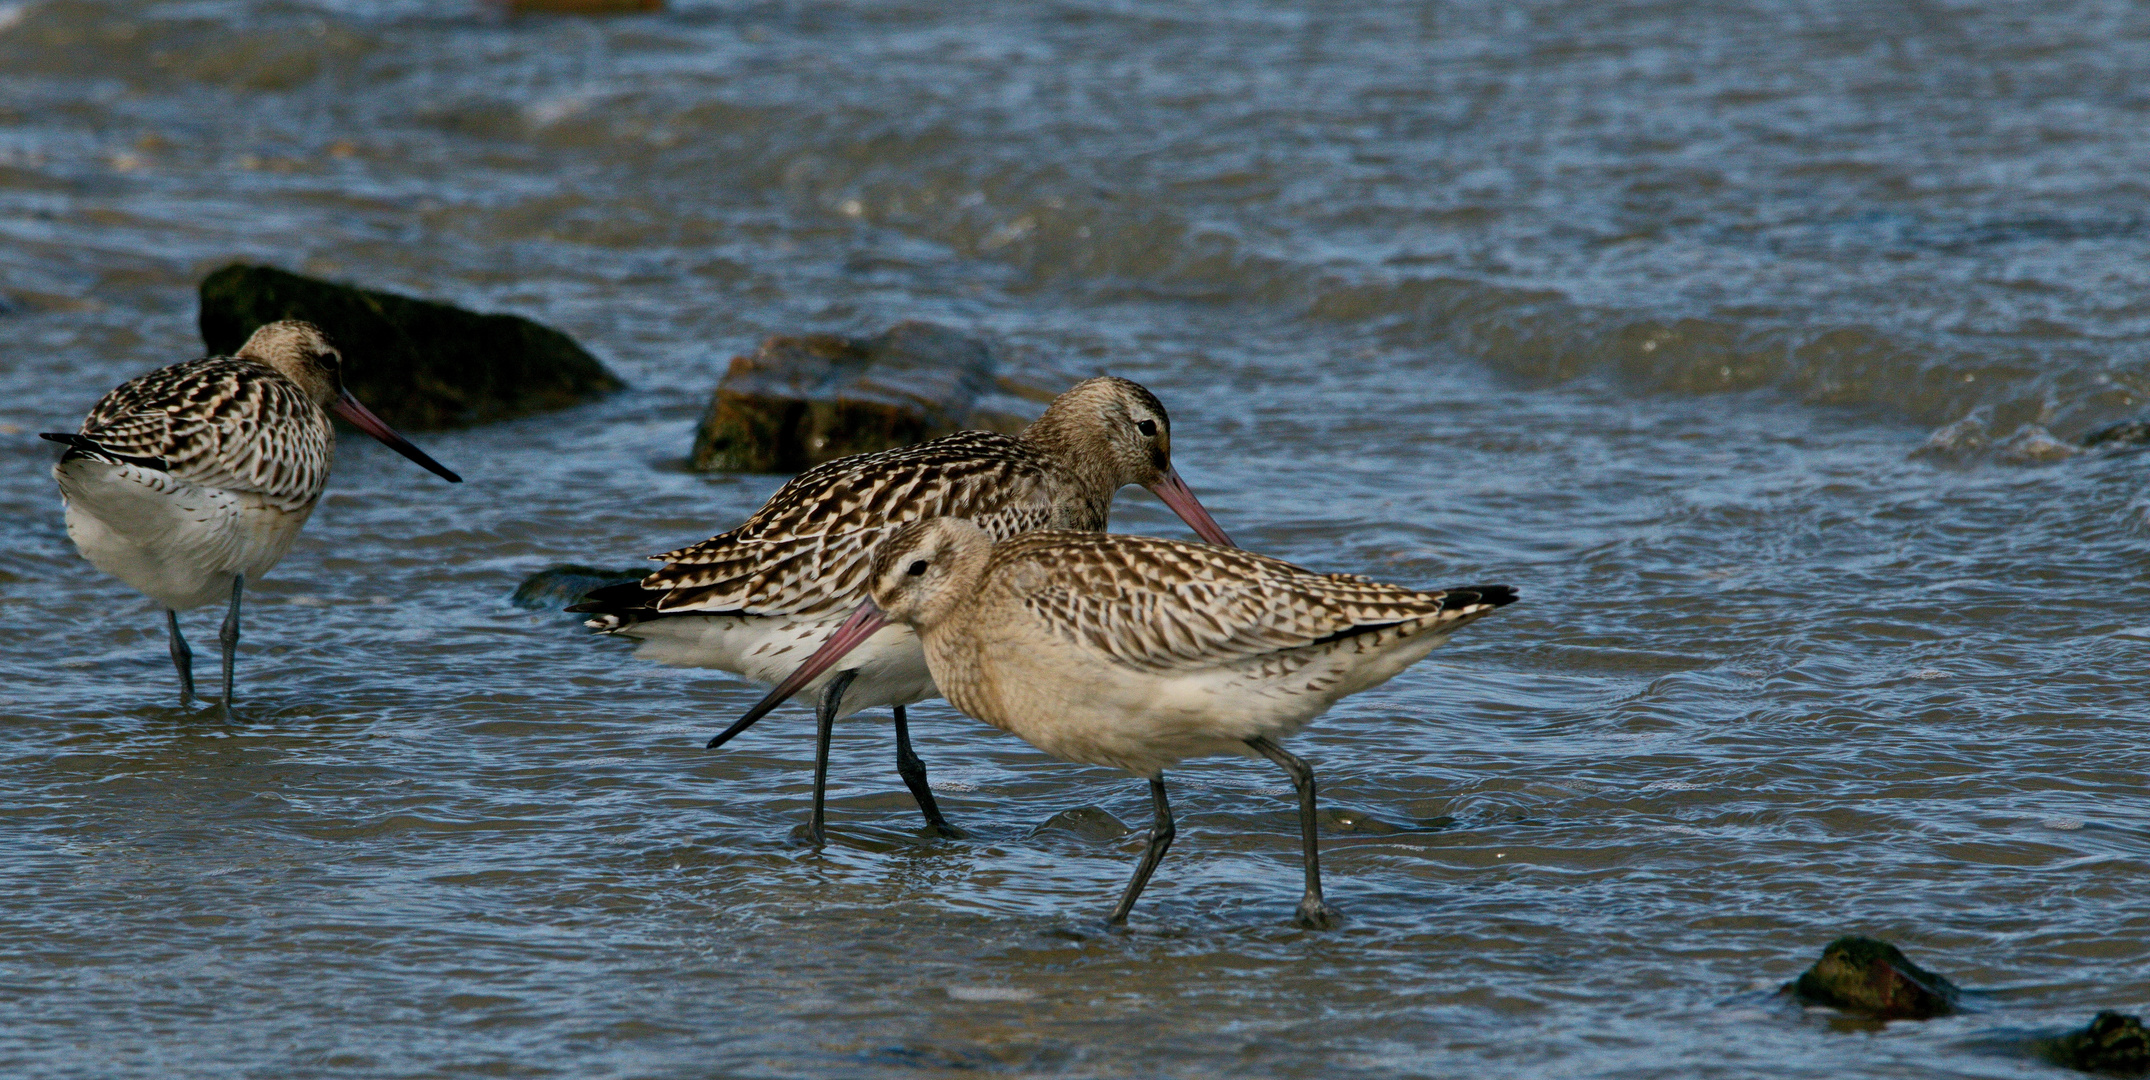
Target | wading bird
(188,481)
(757,600)
(1138,653)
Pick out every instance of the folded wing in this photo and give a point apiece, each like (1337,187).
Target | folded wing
(1165,605)
(810,547)
(220,423)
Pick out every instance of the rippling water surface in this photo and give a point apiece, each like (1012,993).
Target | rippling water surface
(1748,341)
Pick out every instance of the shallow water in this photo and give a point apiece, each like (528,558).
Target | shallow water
(1745,340)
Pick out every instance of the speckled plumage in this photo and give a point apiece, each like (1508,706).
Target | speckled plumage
(807,550)
(1138,653)
(186,477)
(193,479)
(760,598)
(226,422)
(763,597)
(1163,605)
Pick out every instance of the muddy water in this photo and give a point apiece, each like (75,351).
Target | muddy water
(1745,340)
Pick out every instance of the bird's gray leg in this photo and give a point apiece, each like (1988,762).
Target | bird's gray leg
(913,772)
(824,727)
(1161,833)
(230,637)
(182,658)
(1313,913)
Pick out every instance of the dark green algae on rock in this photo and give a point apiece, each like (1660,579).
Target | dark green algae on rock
(2114,1043)
(1874,978)
(420,364)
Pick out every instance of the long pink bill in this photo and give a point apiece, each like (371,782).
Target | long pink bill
(363,419)
(1177,495)
(860,626)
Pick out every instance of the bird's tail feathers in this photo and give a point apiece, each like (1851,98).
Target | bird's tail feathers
(617,607)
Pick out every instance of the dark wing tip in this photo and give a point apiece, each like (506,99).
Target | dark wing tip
(82,446)
(1469,595)
(1456,599)
(625,598)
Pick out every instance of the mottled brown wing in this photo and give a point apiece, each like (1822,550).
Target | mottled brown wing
(1167,605)
(810,547)
(223,423)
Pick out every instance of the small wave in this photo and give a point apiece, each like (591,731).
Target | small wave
(2027,386)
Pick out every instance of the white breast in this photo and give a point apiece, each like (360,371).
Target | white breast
(177,542)
(891,664)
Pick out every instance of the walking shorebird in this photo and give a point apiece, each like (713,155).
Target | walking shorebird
(190,480)
(757,600)
(1138,653)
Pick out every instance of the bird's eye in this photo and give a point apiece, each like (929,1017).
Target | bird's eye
(916,569)
(1148,428)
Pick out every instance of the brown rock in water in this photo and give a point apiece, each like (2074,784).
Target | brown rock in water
(419,364)
(2113,1043)
(796,402)
(1873,978)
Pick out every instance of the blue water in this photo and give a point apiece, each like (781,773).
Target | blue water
(1750,342)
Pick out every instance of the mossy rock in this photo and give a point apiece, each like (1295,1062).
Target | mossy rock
(2113,1043)
(419,364)
(1874,978)
(798,401)
(556,587)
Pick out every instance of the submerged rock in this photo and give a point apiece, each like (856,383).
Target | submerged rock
(2113,1043)
(1960,439)
(2125,433)
(1873,978)
(1336,819)
(418,363)
(556,587)
(1091,823)
(796,402)
(2034,445)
